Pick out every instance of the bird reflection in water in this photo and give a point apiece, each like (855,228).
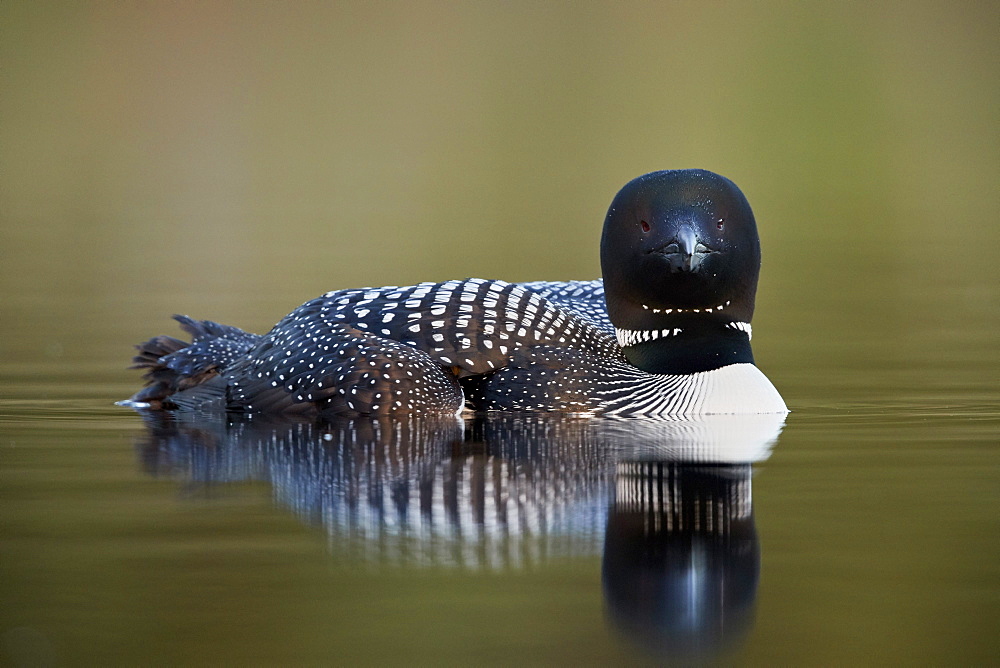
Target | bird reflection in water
(681,555)
(668,502)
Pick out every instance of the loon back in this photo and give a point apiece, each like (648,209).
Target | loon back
(666,332)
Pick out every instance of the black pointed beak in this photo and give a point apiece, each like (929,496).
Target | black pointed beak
(684,252)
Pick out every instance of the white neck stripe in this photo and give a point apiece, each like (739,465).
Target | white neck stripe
(743,327)
(667,311)
(630,337)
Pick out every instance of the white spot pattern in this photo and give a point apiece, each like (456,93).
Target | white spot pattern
(538,346)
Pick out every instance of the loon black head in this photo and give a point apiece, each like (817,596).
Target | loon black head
(680,257)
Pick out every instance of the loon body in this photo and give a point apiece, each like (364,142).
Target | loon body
(665,332)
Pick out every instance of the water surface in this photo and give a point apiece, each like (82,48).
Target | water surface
(861,531)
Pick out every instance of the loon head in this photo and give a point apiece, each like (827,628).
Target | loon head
(680,253)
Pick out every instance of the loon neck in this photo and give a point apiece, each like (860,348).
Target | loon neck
(687,345)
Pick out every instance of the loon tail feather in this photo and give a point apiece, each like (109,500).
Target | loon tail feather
(174,367)
(203,330)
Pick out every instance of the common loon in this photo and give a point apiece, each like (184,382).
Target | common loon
(665,332)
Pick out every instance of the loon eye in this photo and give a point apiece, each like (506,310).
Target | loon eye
(645,226)
(720,223)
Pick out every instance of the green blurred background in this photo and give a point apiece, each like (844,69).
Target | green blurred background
(231,160)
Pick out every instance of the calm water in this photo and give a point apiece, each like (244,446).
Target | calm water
(853,532)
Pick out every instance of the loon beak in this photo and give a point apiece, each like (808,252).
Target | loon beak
(685,253)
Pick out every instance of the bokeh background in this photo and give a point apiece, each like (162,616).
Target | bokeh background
(230,160)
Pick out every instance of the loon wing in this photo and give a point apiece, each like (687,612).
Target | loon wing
(399,349)
(383,350)
(340,370)
(472,326)
(583,298)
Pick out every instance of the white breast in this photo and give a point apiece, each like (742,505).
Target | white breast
(734,389)
(738,388)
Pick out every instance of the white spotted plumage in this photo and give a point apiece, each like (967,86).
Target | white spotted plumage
(539,346)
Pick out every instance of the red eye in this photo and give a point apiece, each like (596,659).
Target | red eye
(720,223)
(645,226)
